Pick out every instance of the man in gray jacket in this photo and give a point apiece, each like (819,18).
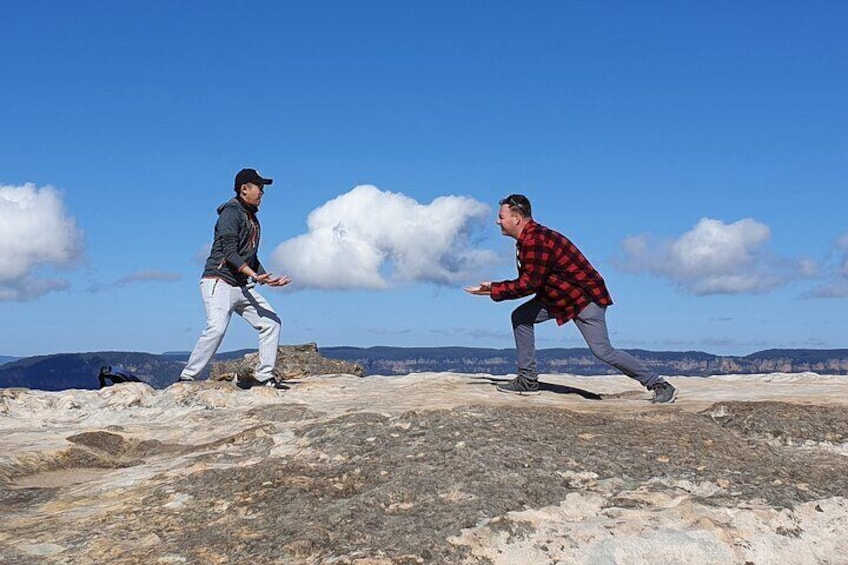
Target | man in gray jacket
(228,284)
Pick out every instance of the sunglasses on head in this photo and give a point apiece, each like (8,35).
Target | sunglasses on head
(514,202)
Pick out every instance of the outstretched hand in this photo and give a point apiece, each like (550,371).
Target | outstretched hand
(267,279)
(483,289)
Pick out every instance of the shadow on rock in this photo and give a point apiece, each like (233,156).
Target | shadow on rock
(545,387)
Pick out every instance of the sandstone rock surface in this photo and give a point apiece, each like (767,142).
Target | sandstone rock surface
(428,468)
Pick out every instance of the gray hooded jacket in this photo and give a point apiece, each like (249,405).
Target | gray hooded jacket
(236,243)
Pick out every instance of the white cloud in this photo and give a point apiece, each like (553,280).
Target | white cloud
(30,288)
(35,231)
(809,268)
(375,239)
(836,276)
(714,258)
(147,276)
(833,289)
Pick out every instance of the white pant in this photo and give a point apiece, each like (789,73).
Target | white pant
(220,301)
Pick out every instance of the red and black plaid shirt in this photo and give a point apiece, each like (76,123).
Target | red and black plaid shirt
(553,268)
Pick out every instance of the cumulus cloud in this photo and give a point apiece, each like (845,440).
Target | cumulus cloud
(835,273)
(714,258)
(374,239)
(35,231)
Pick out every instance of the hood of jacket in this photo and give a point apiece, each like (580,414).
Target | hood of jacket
(238,204)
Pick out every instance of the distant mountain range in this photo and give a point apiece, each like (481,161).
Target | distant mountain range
(80,370)
(7,359)
(580,361)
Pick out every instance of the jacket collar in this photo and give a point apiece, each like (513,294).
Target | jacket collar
(249,207)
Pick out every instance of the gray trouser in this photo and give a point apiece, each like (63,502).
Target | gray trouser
(591,321)
(220,301)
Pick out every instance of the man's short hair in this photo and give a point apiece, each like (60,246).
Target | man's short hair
(519,204)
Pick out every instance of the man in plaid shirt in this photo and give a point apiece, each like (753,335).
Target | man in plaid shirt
(566,287)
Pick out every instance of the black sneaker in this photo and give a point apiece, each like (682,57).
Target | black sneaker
(246,384)
(664,393)
(520,385)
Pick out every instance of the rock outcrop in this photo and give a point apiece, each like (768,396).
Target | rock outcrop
(434,468)
(293,362)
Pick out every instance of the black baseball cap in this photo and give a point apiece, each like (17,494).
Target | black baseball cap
(245,176)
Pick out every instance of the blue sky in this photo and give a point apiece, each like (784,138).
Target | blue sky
(696,152)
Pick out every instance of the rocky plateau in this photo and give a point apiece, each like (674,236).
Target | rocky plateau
(428,468)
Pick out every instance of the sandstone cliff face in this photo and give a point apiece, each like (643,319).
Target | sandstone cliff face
(391,361)
(428,468)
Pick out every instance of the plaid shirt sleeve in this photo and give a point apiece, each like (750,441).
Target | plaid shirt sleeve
(534,260)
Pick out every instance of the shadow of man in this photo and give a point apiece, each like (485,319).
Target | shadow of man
(549,387)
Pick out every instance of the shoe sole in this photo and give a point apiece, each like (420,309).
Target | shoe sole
(247,385)
(520,392)
(279,386)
